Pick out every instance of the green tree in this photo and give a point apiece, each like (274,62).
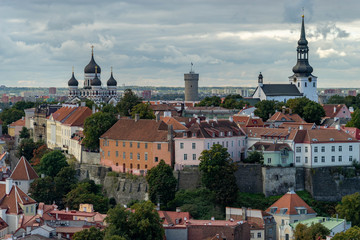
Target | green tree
(352,233)
(109,108)
(95,126)
(89,103)
(89,234)
(65,180)
(22,105)
(313,112)
(43,190)
(349,208)
(127,102)
(144,111)
(162,183)
(52,163)
(213,101)
(233,102)
(314,232)
(141,223)
(254,157)
(355,119)
(297,105)
(217,173)
(265,109)
(9,116)
(24,133)
(336,99)
(27,147)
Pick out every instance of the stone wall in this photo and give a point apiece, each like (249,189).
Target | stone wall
(189,178)
(278,180)
(90,157)
(125,189)
(249,178)
(97,173)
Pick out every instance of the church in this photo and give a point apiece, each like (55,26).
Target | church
(93,88)
(301,84)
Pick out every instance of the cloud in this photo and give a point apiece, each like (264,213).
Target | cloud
(329,53)
(329,31)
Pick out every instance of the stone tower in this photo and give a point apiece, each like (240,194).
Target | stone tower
(191,86)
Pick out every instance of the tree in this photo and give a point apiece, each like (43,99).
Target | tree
(27,147)
(9,116)
(38,153)
(313,112)
(89,234)
(254,157)
(349,208)
(65,180)
(127,102)
(233,102)
(144,110)
(217,173)
(89,103)
(297,105)
(213,101)
(24,133)
(265,109)
(43,190)
(52,163)
(95,126)
(141,223)
(22,105)
(109,108)
(355,119)
(314,232)
(162,183)
(352,233)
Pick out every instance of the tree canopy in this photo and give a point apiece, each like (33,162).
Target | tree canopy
(264,109)
(24,133)
(313,112)
(144,111)
(254,157)
(352,233)
(349,208)
(52,162)
(355,119)
(162,183)
(297,105)
(217,173)
(27,147)
(234,101)
(313,232)
(213,101)
(127,102)
(89,234)
(96,125)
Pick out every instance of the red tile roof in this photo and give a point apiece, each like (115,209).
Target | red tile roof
(322,135)
(20,122)
(332,110)
(175,123)
(62,113)
(247,121)
(270,146)
(174,218)
(288,117)
(270,133)
(23,171)
(3,224)
(290,201)
(12,201)
(77,117)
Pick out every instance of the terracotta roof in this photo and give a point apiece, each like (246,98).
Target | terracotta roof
(248,121)
(332,110)
(270,133)
(270,146)
(12,200)
(297,125)
(288,205)
(69,229)
(174,218)
(77,117)
(23,171)
(162,107)
(288,117)
(141,130)
(20,122)
(62,113)
(322,135)
(172,121)
(72,213)
(3,224)
(213,222)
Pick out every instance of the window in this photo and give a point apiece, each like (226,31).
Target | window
(131,155)
(333,158)
(130,144)
(239,143)
(124,155)
(193,145)
(323,149)
(194,156)
(252,235)
(181,145)
(159,146)
(156,159)
(305,84)
(297,159)
(138,145)
(298,149)
(350,158)
(117,153)
(108,153)
(227,144)
(298,84)
(302,211)
(259,235)
(340,158)
(316,159)
(146,156)
(314,84)
(123,144)
(333,148)
(306,159)
(145,166)
(208,146)
(322,158)
(306,149)
(138,166)
(138,156)
(117,143)
(185,156)
(145,145)
(340,148)
(269,160)
(350,148)
(315,149)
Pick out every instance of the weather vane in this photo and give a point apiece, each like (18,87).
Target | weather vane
(191,66)
(303,11)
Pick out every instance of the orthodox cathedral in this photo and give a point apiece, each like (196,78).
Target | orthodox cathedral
(93,88)
(302,82)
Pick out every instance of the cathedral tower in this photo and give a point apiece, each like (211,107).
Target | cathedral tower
(191,85)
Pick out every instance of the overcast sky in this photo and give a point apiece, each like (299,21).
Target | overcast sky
(153,42)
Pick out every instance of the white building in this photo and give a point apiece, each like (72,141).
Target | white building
(23,175)
(202,135)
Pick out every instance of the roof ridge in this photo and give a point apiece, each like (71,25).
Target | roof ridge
(26,168)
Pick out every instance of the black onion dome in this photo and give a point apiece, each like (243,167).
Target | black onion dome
(111,81)
(96,81)
(303,68)
(73,82)
(90,68)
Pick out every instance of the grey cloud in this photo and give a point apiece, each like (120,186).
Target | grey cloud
(329,29)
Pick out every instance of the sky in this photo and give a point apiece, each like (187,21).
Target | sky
(153,42)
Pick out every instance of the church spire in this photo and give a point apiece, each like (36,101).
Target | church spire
(302,67)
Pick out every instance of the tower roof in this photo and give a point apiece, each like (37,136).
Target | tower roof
(90,68)
(96,81)
(111,81)
(73,82)
(23,171)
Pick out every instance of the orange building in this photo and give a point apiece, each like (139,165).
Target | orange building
(136,145)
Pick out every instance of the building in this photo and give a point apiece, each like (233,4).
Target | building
(289,209)
(93,88)
(248,121)
(52,90)
(174,224)
(146,94)
(15,127)
(262,224)
(191,86)
(208,112)
(202,135)
(275,154)
(136,145)
(279,118)
(301,83)
(38,121)
(23,175)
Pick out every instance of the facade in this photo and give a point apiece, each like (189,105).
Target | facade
(38,121)
(289,209)
(23,175)
(202,135)
(92,88)
(275,154)
(301,84)
(279,118)
(191,86)
(15,127)
(336,111)
(136,145)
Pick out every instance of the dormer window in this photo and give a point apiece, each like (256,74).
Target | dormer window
(301,211)
(229,133)
(273,210)
(213,134)
(185,134)
(221,134)
(194,134)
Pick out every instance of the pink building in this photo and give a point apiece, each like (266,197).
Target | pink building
(336,111)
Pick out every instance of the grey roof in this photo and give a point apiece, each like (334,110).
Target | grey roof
(96,81)
(111,81)
(73,82)
(90,68)
(281,90)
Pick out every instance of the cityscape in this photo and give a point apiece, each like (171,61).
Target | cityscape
(160,120)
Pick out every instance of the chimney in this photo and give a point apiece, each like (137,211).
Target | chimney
(83,104)
(9,184)
(231,119)
(137,117)
(215,119)
(244,214)
(67,209)
(290,111)
(337,126)
(198,120)
(283,109)
(93,108)
(118,116)
(157,115)
(212,218)
(301,127)
(334,109)
(169,135)
(178,209)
